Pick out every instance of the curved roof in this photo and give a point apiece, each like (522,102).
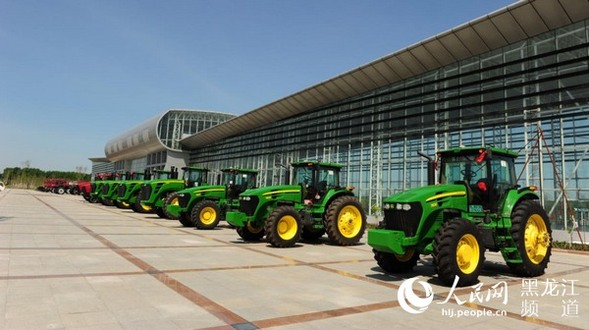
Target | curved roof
(516,22)
(145,138)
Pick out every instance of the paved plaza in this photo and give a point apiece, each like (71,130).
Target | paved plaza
(69,264)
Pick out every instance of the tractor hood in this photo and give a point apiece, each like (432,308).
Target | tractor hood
(429,194)
(202,189)
(270,191)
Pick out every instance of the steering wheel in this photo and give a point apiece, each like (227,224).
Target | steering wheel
(470,173)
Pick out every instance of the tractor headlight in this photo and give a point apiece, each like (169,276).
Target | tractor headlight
(387,206)
(180,195)
(403,207)
(246,198)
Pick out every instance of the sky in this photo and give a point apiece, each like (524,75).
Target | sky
(77,73)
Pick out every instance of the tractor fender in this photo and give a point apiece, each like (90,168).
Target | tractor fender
(514,197)
(330,197)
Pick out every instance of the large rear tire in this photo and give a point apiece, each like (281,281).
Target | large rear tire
(531,232)
(345,221)
(283,227)
(458,252)
(205,215)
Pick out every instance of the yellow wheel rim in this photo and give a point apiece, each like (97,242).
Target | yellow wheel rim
(536,239)
(125,204)
(467,254)
(207,215)
(174,202)
(287,227)
(146,208)
(406,256)
(349,221)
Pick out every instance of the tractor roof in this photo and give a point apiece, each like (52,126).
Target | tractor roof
(194,168)
(472,150)
(239,170)
(314,162)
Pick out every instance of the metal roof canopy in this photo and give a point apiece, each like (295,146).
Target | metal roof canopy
(522,20)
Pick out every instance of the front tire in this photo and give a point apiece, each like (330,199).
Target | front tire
(140,208)
(458,252)
(250,233)
(171,199)
(345,221)
(206,215)
(283,227)
(396,263)
(531,232)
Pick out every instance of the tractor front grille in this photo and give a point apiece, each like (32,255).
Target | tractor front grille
(105,189)
(121,190)
(184,200)
(406,221)
(248,207)
(145,192)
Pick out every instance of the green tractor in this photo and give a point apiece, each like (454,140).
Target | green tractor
(314,204)
(477,205)
(157,194)
(96,186)
(110,189)
(135,198)
(205,206)
(127,191)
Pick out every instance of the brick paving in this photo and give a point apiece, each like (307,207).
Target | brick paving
(69,264)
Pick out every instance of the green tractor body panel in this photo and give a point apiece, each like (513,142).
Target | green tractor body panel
(420,211)
(256,204)
(158,189)
(477,186)
(187,198)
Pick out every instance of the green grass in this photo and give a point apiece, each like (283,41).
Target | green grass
(570,246)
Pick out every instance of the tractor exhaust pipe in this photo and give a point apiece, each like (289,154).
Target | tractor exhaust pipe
(431,168)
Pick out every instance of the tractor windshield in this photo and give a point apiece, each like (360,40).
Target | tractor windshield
(163,175)
(462,169)
(244,180)
(194,178)
(303,175)
(487,180)
(328,177)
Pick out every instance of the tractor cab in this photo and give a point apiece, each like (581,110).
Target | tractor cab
(487,175)
(194,176)
(138,176)
(316,179)
(238,181)
(162,175)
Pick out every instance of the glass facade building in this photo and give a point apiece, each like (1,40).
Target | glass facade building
(154,144)
(531,96)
